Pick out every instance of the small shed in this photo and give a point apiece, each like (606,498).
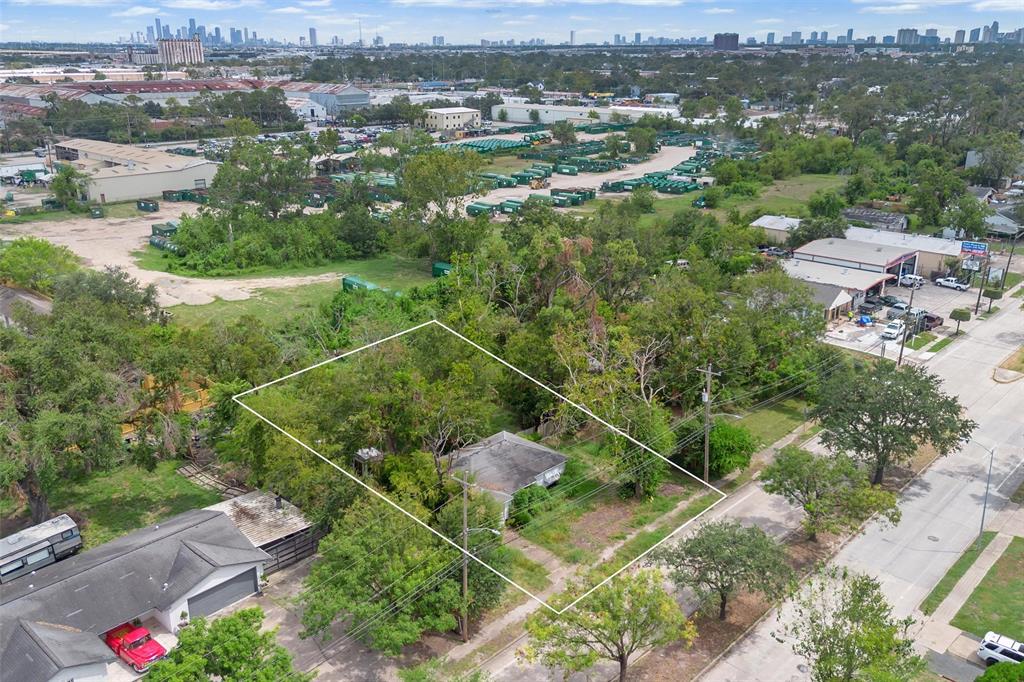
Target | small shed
(274,525)
(505,463)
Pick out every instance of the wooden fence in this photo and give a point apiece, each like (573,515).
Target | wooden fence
(289,550)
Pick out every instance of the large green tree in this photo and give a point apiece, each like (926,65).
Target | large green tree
(722,557)
(228,649)
(35,263)
(843,627)
(69,186)
(834,492)
(882,414)
(258,177)
(630,613)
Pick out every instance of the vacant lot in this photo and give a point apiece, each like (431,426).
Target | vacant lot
(998,601)
(111,504)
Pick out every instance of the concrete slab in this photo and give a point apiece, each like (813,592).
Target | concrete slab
(966,647)
(119,671)
(937,636)
(952,668)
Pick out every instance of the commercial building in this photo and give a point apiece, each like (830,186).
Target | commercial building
(881,220)
(552,113)
(451,118)
(184,52)
(837,289)
(855,255)
(776,227)
(118,172)
(307,109)
(932,252)
(727,41)
(192,565)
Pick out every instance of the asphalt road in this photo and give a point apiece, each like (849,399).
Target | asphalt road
(941,509)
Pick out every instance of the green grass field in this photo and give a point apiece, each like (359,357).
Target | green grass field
(920,341)
(124,209)
(111,504)
(942,343)
(771,423)
(998,601)
(953,575)
(785,197)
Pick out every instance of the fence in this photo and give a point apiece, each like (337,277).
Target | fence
(294,548)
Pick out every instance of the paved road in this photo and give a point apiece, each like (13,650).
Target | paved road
(941,509)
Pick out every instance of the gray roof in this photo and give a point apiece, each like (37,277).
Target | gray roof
(904,240)
(1000,224)
(35,652)
(823,273)
(875,216)
(980,192)
(777,222)
(113,583)
(257,516)
(504,463)
(852,251)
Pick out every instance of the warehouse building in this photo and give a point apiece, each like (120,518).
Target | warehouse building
(552,113)
(838,290)
(119,172)
(855,255)
(880,220)
(932,252)
(173,51)
(776,227)
(451,118)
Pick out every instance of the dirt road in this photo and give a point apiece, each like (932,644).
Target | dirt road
(111,241)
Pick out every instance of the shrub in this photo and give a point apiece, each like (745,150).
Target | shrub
(527,504)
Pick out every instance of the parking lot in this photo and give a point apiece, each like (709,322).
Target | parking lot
(934,299)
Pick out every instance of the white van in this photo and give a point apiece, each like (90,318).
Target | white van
(997,649)
(913,281)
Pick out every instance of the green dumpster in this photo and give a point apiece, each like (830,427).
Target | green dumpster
(440,269)
(147,206)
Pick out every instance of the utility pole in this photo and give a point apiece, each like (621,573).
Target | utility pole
(706,397)
(465,560)
(903,339)
(984,506)
(1006,271)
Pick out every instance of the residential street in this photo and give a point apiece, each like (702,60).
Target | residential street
(941,509)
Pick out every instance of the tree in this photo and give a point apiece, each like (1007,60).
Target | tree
(810,229)
(834,492)
(884,413)
(721,557)
(99,76)
(960,315)
(992,295)
(825,204)
(439,179)
(35,263)
(615,145)
(503,114)
(967,214)
(593,115)
(255,176)
(69,186)
(228,648)
(730,447)
(1001,153)
(1004,671)
(241,127)
(629,613)
(564,132)
(845,630)
(642,138)
(534,116)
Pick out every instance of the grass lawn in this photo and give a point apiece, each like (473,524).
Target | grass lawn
(1012,280)
(113,503)
(920,341)
(125,209)
(784,196)
(942,343)
(953,575)
(989,313)
(1014,361)
(526,572)
(506,165)
(772,422)
(998,601)
(1018,495)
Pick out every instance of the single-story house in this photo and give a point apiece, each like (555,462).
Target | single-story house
(777,227)
(828,280)
(52,621)
(981,193)
(881,220)
(504,464)
(856,255)
(1003,226)
(932,252)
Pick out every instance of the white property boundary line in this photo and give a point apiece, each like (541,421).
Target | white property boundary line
(237,399)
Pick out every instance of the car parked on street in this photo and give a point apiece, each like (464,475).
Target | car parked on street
(894,329)
(951,283)
(890,300)
(135,646)
(998,648)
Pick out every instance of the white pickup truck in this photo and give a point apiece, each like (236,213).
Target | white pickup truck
(951,283)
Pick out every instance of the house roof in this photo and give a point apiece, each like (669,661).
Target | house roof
(504,463)
(980,192)
(904,241)
(36,651)
(1003,225)
(853,251)
(873,215)
(777,222)
(823,273)
(115,582)
(829,296)
(257,516)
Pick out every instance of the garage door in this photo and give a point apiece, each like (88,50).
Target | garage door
(225,594)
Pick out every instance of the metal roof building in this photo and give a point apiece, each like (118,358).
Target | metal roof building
(932,252)
(777,227)
(856,255)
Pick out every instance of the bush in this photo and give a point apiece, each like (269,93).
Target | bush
(527,504)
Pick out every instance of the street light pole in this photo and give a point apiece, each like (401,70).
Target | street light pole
(707,420)
(988,482)
(903,339)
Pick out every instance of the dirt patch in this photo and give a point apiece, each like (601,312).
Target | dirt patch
(596,528)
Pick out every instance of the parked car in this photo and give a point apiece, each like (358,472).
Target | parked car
(951,283)
(869,308)
(914,281)
(872,300)
(894,329)
(890,300)
(997,648)
(775,252)
(135,646)
(930,321)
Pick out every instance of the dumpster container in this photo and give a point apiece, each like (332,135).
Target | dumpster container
(440,269)
(147,206)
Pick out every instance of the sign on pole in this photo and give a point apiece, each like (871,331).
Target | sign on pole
(976,248)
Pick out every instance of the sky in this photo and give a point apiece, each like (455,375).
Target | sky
(468,21)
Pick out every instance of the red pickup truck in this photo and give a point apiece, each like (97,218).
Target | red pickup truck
(135,646)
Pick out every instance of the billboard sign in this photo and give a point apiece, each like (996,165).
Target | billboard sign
(976,248)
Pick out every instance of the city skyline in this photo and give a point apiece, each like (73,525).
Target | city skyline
(470,21)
